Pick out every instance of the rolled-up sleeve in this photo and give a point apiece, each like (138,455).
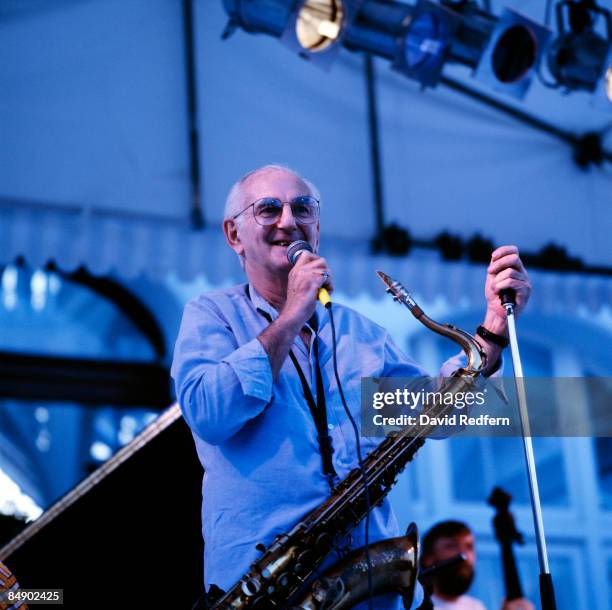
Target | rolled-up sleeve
(220,385)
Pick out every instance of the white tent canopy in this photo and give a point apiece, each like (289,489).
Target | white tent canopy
(129,247)
(94,170)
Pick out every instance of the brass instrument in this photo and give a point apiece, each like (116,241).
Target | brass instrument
(394,568)
(277,579)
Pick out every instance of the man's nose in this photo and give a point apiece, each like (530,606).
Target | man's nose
(470,555)
(286,219)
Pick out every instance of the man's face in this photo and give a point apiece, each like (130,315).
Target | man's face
(456,580)
(260,245)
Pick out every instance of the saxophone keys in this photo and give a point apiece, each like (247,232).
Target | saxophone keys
(323,541)
(263,603)
(250,587)
(304,559)
(284,579)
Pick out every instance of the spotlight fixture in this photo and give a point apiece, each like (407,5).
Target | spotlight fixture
(257,16)
(318,24)
(603,93)
(417,38)
(316,27)
(425,44)
(511,56)
(580,57)
(310,28)
(608,79)
(503,52)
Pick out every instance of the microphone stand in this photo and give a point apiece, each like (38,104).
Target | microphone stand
(547,592)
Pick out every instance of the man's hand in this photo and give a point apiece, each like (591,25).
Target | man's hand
(309,273)
(506,270)
(517,604)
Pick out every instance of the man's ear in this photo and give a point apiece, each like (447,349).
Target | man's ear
(230,230)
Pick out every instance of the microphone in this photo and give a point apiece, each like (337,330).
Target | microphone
(293,253)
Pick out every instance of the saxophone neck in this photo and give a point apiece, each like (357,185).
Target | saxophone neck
(476,357)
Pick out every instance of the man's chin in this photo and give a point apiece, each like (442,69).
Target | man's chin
(279,255)
(456,583)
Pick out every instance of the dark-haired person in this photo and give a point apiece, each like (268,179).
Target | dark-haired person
(244,355)
(450,585)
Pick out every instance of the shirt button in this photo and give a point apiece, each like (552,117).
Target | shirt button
(330,426)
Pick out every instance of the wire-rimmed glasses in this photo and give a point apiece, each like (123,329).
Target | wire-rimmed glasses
(267,211)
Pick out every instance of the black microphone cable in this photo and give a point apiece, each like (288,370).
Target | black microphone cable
(359,457)
(293,252)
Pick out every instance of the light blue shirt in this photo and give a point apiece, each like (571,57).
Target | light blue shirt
(256,438)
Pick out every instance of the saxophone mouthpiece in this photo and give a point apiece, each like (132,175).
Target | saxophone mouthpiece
(389,283)
(400,294)
(385,278)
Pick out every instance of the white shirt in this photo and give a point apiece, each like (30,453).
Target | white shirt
(464,602)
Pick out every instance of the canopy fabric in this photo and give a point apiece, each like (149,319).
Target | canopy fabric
(131,246)
(107,134)
(96,170)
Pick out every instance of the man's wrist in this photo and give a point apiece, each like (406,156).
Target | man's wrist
(277,339)
(495,323)
(289,322)
(498,340)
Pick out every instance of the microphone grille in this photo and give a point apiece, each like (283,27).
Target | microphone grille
(295,248)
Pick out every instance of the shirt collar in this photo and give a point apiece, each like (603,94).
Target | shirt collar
(261,303)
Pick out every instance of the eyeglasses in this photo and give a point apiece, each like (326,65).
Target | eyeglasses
(267,211)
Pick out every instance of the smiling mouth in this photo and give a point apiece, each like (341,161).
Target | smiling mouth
(282,243)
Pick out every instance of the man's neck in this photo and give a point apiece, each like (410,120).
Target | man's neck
(273,291)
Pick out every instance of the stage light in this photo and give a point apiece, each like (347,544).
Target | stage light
(503,53)
(316,27)
(580,56)
(602,98)
(418,38)
(378,28)
(318,24)
(258,16)
(511,56)
(311,28)
(426,42)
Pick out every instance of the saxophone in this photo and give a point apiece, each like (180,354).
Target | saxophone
(278,579)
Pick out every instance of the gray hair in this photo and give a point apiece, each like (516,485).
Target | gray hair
(235,198)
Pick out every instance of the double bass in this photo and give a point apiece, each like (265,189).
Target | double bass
(507,535)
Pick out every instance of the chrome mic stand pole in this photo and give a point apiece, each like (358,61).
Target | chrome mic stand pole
(547,592)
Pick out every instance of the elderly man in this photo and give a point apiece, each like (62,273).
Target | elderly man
(244,398)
